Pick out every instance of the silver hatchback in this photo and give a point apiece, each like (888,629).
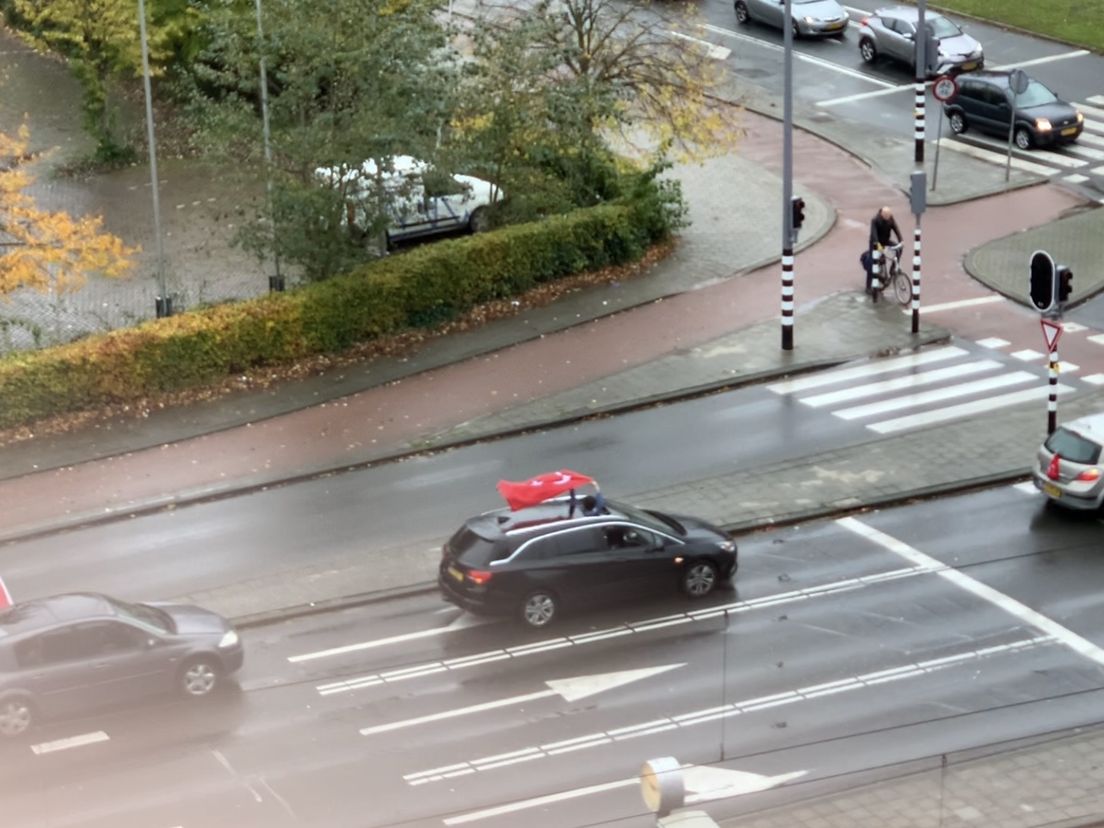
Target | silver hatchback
(892,33)
(1068,465)
(809,18)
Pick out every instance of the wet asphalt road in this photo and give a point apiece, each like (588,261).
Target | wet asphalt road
(840,653)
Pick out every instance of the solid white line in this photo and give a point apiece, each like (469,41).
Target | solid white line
(862,96)
(1038,61)
(994,157)
(964,410)
(712,49)
(70,742)
(367,645)
(460,711)
(910,381)
(538,801)
(963,303)
(935,395)
(1021,611)
(867,370)
(824,64)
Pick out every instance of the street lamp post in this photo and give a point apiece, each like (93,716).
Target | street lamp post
(276,282)
(163,302)
(787,184)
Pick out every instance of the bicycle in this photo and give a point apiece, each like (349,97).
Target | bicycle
(893,274)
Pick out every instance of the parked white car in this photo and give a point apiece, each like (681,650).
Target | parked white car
(422,201)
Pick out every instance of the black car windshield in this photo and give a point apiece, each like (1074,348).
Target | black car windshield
(1035,95)
(1073,447)
(145,615)
(941,27)
(656,520)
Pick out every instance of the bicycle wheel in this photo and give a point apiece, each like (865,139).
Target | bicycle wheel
(902,287)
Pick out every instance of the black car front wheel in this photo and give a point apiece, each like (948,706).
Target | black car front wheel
(958,123)
(200,677)
(1022,137)
(16,716)
(700,579)
(539,608)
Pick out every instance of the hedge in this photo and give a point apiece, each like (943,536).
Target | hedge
(421,287)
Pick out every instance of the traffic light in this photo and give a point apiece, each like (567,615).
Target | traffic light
(1043,282)
(932,60)
(1065,283)
(797,207)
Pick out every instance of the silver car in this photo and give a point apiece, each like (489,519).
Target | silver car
(1068,465)
(810,18)
(892,33)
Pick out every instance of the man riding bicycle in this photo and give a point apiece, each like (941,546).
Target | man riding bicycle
(882,226)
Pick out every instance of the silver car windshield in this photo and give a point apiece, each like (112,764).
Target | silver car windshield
(941,27)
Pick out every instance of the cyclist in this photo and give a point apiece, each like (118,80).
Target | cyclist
(882,226)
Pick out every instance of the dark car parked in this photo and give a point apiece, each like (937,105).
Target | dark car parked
(69,654)
(534,561)
(1042,118)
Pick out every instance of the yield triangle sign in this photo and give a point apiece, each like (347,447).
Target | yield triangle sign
(1051,332)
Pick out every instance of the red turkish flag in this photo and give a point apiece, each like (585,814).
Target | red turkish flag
(1052,469)
(540,488)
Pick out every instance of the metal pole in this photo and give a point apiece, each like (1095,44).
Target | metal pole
(275,283)
(787,183)
(938,144)
(1052,381)
(162,303)
(920,107)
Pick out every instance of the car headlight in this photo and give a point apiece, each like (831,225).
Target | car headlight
(230,639)
(809,21)
(727,546)
(1042,124)
(1080,118)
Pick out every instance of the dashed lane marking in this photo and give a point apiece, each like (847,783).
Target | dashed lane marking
(70,742)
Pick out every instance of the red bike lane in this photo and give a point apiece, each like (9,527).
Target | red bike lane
(392,418)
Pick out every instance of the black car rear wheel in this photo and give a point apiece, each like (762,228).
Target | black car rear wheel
(742,16)
(700,579)
(958,123)
(16,716)
(539,608)
(868,50)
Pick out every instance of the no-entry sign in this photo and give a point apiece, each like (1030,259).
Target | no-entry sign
(944,88)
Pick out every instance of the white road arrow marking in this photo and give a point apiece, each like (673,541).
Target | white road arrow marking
(708,783)
(571,689)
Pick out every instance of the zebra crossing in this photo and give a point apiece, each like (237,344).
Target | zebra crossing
(1079,162)
(895,394)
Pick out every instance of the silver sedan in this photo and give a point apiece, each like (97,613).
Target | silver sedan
(808,18)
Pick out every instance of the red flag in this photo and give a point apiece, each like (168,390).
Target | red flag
(5,596)
(540,488)
(1052,469)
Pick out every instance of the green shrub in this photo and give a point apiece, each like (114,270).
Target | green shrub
(421,287)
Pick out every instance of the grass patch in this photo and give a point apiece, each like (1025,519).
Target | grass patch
(1074,21)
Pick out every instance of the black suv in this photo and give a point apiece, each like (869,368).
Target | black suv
(534,561)
(1042,118)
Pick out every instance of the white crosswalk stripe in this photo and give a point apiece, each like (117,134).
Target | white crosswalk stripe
(895,394)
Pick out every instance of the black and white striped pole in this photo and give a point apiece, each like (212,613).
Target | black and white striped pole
(927,62)
(789,206)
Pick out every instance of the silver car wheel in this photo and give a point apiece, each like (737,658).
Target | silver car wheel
(539,609)
(700,579)
(958,123)
(867,50)
(1023,138)
(199,678)
(742,15)
(16,716)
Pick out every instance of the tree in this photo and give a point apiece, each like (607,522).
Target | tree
(100,38)
(352,81)
(41,249)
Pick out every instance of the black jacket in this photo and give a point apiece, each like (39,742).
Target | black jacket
(880,229)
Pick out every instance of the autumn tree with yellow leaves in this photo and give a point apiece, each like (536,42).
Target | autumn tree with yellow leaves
(48,250)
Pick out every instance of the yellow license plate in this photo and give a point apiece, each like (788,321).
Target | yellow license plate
(966,67)
(1052,490)
(1069,131)
(456,573)
(835,25)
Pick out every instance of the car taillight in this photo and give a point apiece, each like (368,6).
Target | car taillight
(865,21)
(1052,469)
(479,576)
(1089,474)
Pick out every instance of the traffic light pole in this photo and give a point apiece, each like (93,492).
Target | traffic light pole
(1052,382)
(919,185)
(787,184)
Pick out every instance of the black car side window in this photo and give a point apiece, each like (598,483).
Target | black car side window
(621,536)
(106,637)
(53,647)
(577,542)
